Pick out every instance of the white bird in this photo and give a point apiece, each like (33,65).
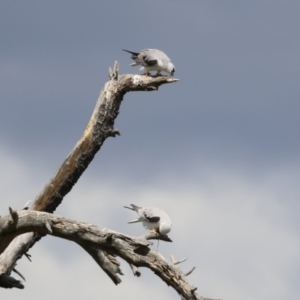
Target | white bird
(152,218)
(152,60)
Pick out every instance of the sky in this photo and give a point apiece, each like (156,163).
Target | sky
(218,150)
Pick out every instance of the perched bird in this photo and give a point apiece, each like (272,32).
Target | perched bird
(152,60)
(152,218)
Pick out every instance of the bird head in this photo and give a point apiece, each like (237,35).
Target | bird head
(164,228)
(171,69)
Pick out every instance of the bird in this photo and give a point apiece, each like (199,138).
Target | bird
(152,60)
(153,218)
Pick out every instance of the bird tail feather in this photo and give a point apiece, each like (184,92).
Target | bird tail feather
(134,221)
(134,207)
(129,207)
(133,53)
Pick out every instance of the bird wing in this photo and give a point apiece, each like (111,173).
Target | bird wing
(150,215)
(148,58)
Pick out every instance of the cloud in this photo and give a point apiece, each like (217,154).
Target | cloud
(227,225)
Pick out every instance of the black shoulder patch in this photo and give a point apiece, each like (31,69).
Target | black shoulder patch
(152,219)
(149,62)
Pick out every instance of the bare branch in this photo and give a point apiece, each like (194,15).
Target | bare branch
(28,256)
(26,206)
(114,73)
(107,262)
(17,272)
(175,262)
(102,244)
(48,226)
(14,217)
(190,271)
(21,229)
(135,270)
(99,128)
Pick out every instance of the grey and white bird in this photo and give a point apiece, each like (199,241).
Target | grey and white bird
(152,60)
(152,218)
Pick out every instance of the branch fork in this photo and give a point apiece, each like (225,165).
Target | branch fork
(20,230)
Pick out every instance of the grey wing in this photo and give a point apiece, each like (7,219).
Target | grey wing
(147,58)
(150,215)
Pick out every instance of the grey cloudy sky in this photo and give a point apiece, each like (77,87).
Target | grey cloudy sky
(219,150)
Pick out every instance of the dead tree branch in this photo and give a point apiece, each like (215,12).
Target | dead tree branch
(21,229)
(101,243)
(100,127)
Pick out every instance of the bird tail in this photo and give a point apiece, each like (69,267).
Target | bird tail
(134,54)
(129,207)
(134,221)
(134,207)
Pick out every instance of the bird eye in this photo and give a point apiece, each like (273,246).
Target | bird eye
(173,71)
